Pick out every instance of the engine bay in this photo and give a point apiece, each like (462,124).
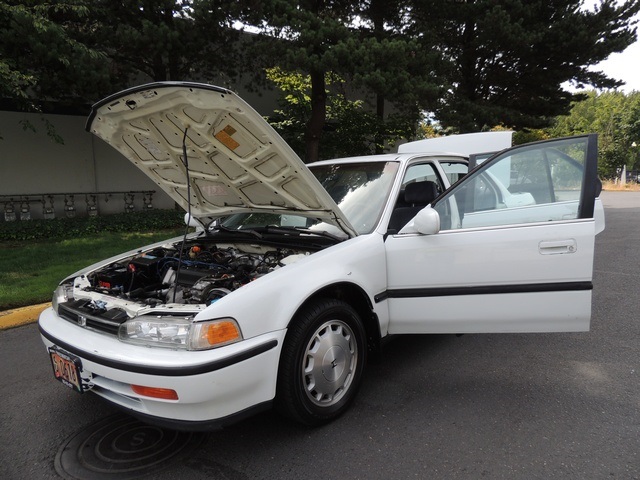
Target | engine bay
(196,272)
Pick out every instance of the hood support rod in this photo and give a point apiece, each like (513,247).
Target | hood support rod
(186,231)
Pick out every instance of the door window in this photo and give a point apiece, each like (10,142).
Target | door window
(454,170)
(537,183)
(420,186)
(421,172)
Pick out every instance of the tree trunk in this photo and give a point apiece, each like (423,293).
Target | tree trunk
(318,116)
(377,12)
(379,138)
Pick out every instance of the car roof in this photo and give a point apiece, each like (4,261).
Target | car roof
(391,157)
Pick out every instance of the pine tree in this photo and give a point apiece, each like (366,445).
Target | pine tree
(512,58)
(42,56)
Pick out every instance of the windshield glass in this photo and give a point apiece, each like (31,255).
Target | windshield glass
(359,189)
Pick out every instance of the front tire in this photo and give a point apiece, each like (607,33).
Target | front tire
(322,361)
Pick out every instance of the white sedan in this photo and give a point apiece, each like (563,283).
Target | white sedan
(296,272)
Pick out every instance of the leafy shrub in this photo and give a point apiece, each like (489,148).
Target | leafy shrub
(82,226)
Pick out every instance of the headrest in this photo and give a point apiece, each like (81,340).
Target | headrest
(420,193)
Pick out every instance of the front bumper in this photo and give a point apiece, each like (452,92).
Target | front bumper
(214,387)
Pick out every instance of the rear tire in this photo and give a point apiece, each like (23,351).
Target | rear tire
(322,361)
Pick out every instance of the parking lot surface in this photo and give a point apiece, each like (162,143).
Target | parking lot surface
(526,406)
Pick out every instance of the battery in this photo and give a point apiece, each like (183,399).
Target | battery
(145,265)
(114,278)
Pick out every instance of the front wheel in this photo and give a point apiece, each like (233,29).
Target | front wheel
(322,362)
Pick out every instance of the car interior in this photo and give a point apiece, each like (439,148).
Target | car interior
(412,199)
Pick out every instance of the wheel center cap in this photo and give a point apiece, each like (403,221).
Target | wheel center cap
(333,364)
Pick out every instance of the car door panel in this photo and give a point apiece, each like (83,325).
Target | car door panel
(517,279)
(498,266)
(539,312)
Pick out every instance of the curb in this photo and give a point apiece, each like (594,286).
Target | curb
(21,316)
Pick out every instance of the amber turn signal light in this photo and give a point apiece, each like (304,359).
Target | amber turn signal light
(221,333)
(163,393)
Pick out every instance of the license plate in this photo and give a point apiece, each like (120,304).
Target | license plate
(66,368)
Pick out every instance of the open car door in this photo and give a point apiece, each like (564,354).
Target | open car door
(514,250)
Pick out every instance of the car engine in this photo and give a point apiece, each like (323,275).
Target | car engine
(203,274)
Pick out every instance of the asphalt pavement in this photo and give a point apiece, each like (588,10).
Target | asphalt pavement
(509,406)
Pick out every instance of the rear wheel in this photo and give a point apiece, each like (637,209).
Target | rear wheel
(322,362)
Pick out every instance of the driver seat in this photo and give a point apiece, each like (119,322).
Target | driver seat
(417,195)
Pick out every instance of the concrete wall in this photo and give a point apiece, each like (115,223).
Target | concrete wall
(31,163)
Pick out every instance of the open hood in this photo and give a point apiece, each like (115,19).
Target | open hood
(237,162)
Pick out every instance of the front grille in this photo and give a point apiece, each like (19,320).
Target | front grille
(84,314)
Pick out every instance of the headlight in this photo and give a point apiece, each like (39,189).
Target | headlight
(62,294)
(179,332)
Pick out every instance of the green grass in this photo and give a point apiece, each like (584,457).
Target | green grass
(30,271)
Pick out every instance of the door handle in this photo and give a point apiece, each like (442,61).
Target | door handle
(557,247)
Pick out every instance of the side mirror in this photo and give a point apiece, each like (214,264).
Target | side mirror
(426,222)
(193,222)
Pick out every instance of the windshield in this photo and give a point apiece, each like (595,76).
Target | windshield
(359,189)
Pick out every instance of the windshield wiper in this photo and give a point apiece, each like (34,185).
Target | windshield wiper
(278,229)
(298,230)
(253,233)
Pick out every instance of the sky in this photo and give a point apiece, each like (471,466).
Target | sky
(624,66)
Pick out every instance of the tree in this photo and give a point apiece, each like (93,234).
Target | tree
(227,53)
(511,58)
(302,36)
(164,39)
(395,66)
(615,116)
(363,43)
(348,124)
(42,56)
